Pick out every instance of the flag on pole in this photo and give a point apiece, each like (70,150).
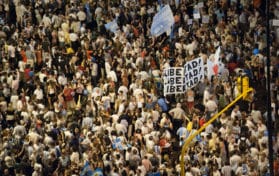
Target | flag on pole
(214,65)
(162,21)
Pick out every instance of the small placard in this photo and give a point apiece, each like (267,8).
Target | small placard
(190,21)
(197,15)
(275,22)
(150,11)
(200,5)
(205,19)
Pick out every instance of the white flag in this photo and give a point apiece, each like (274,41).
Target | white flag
(214,65)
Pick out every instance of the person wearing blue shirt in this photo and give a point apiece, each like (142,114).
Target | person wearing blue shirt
(163,104)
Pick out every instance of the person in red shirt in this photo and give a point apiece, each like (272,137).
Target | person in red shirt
(276,166)
(68,94)
(23,55)
(28,73)
(202,121)
(231,66)
(257,3)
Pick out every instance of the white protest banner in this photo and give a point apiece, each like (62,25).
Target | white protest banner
(112,26)
(162,21)
(174,80)
(194,72)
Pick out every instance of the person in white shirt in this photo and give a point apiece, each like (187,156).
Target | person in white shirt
(235,159)
(112,75)
(12,56)
(120,128)
(211,107)
(61,37)
(178,112)
(81,15)
(62,80)
(38,92)
(19,104)
(216,172)
(122,107)
(226,169)
(206,95)
(46,21)
(20,130)
(236,113)
(195,170)
(11,51)
(178,115)
(74,40)
(15,82)
(21,65)
(87,123)
(188,172)
(149,141)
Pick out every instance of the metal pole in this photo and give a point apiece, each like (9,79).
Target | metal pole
(190,138)
(269,118)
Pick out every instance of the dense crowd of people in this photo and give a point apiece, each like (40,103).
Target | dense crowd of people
(78,99)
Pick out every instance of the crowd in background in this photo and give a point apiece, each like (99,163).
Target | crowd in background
(78,99)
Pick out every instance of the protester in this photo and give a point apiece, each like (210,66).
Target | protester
(82,88)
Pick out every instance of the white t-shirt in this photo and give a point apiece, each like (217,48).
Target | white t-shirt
(61,36)
(11,51)
(81,15)
(235,160)
(73,37)
(211,105)
(39,94)
(226,170)
(62,80)
(46,21)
